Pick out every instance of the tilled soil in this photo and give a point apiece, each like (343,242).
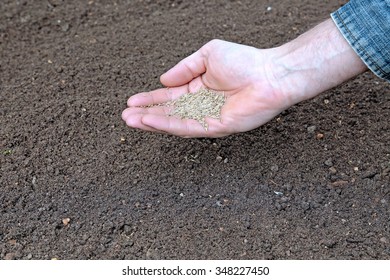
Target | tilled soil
(76,183)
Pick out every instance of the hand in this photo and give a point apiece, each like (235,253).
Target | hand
(237,70)
(258,84)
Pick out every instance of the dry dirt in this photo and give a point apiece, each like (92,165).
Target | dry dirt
(76,183)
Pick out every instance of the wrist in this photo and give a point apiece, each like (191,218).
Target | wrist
(318,60)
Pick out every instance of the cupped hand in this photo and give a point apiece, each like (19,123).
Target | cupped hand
(242,73)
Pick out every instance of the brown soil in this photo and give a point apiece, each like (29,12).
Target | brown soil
(76,183)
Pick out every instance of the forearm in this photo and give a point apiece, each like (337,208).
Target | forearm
(314,62)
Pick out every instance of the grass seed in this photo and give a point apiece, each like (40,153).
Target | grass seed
(198,105)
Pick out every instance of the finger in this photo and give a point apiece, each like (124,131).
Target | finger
(135,122)
(185,127)
(133,117)
(157,119)
(157,96)
(186,70)
(174,125)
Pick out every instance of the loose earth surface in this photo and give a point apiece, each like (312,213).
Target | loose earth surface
(76,183)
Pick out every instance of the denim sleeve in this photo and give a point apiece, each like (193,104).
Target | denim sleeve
(365,24)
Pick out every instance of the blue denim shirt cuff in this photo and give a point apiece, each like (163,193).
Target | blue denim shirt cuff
(365,24)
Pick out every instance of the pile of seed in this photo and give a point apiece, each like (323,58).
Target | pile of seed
(198,105)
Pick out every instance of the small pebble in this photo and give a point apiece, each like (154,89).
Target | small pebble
(274,168)
(9,256)
(329,243)
(332,170)
(278,206)
(34,181)
(152,254)
(65,26)
(284,199)
(339,183)
(311,129)
(370,174)
(305,205)
(329,162)
(66,221)
(12,242)
(383,240)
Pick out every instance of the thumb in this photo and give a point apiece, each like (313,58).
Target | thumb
(186,70)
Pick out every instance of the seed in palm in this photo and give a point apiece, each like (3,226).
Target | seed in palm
(198,105)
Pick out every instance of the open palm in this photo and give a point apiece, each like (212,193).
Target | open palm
(243,73)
